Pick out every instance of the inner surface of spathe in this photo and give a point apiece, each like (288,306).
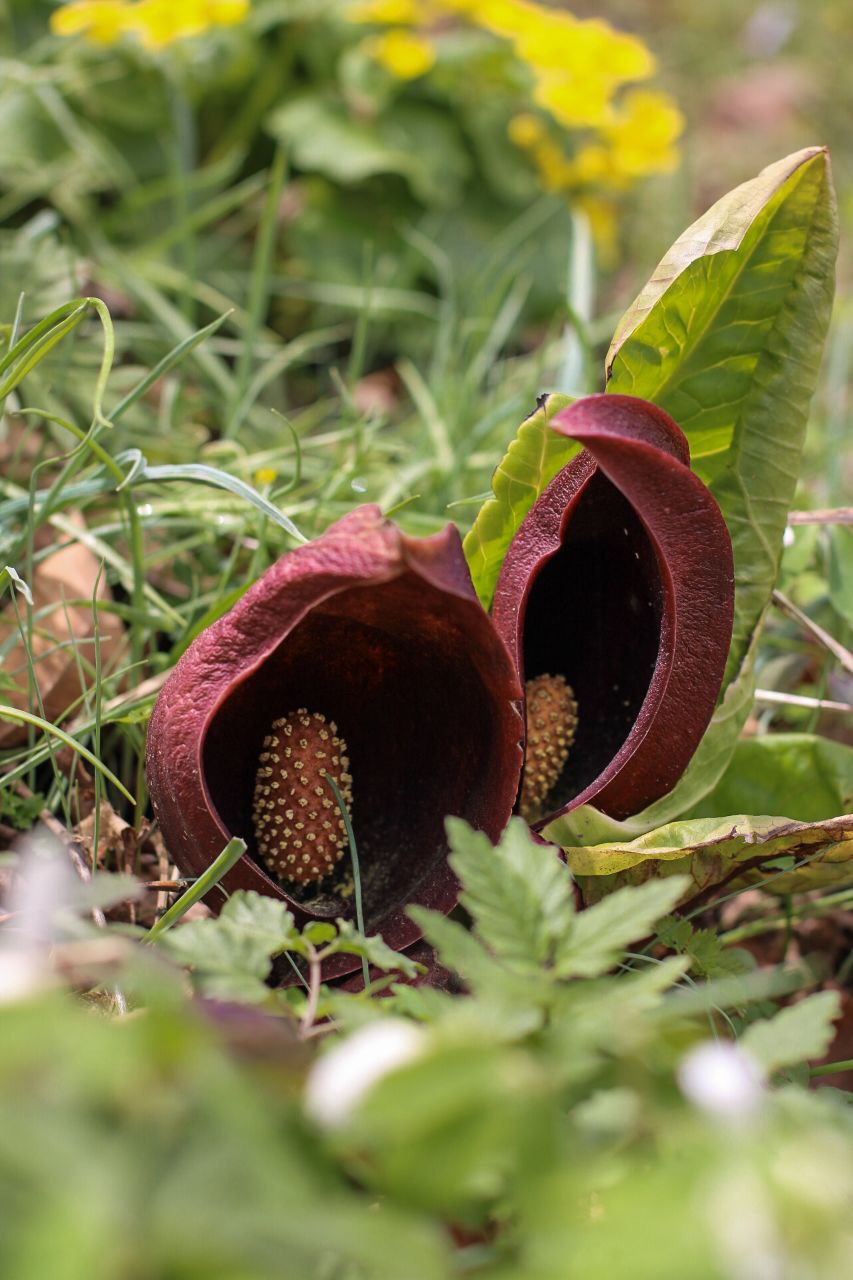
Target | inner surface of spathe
(593,615)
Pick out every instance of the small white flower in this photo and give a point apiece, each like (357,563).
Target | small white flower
(42,885)
(340,1079)
(722,1080)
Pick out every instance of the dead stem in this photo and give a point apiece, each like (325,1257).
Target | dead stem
(833,646)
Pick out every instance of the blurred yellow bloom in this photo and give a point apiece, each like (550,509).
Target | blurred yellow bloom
(403,53)
(396,13)
(100,20)
(591,164)
(643,133)
(555,168)
(160,22)
(574,101)
(157,23)
(503,17)
(525,129)
(265,475)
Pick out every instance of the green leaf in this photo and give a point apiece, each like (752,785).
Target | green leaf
(230,956)
(421,144)
(841,571)
(710,850)
(530,463)
(319,931)
(727,337)
(598,936)
(800,774)
(709,957)
(519,893)
(373,949)
(512,997)
(457,949)
(587,826)
(221,865)
(267,919)
(707,323)
(801,1031)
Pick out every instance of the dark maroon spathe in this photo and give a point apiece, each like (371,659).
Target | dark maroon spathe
(621,579)
(384,635)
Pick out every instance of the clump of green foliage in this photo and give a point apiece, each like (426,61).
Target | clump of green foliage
(562,1118)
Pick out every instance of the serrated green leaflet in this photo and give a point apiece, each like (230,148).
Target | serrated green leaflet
(532,460)
(519,894)
(598,936)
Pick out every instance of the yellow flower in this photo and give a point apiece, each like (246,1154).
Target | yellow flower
(160,22)
(100,20)
(643,133)
(228,13)
(157,23)
(265,475)
(404,54)
(525,129)
(591,164)
(555,169)
(503,17)
(574,101)
(397,13)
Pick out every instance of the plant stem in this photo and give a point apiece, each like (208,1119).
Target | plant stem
(314,974)
(830,1068)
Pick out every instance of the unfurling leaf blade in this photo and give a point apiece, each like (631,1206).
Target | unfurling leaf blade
(530,463)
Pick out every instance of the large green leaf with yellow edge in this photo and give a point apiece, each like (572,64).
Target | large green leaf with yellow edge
(727,337)
(775,853)
(530,463)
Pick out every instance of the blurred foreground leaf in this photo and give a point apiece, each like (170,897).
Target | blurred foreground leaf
(802,1031)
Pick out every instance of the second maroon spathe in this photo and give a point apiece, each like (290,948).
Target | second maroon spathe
(620,580)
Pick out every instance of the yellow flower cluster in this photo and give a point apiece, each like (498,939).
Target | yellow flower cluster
(406,54)
(156,23)
(580,68)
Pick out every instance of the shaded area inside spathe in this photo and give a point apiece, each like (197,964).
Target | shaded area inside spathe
(594,616)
